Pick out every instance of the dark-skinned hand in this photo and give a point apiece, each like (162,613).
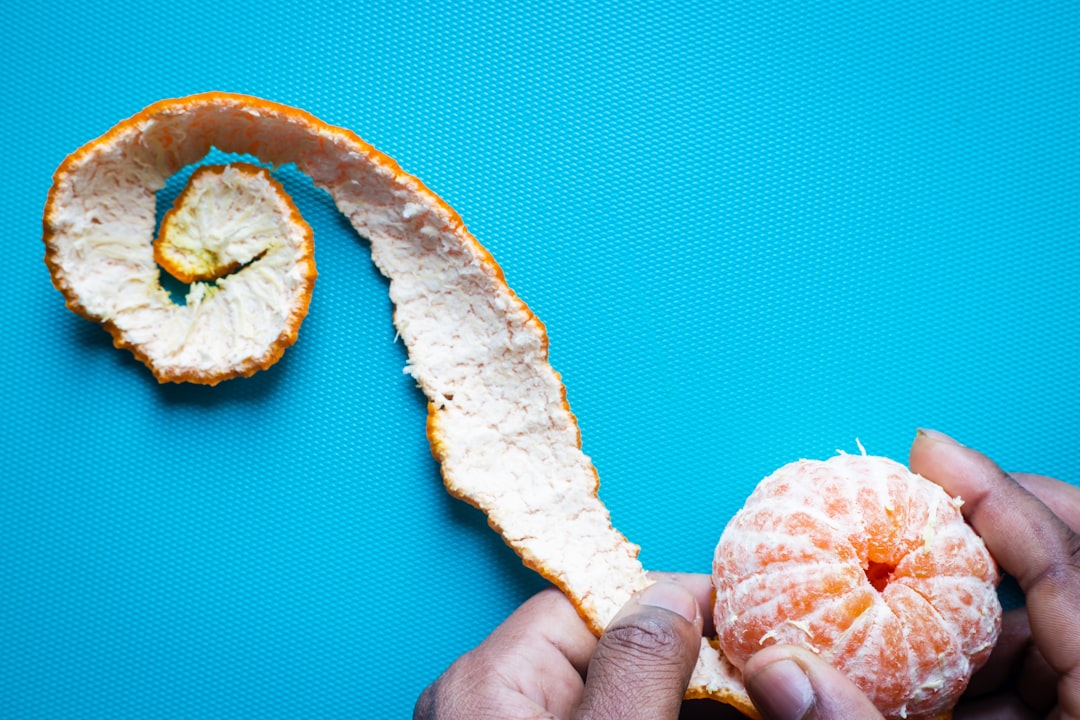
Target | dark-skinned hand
(543,662)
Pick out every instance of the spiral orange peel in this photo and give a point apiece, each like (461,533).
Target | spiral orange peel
(498,419)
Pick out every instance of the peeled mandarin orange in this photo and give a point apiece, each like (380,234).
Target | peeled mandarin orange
(871,567)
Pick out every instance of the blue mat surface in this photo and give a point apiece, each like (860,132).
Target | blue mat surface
(754,234)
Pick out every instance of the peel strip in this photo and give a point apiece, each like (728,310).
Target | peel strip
(498,419)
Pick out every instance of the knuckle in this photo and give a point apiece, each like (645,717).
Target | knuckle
(453,695)
(647,638)
(1063,572)
(1058,578)
(427,706)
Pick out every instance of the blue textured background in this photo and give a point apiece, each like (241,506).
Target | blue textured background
(755,232)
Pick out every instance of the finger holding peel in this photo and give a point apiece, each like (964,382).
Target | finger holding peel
(700,585)
(645,657)
(1028,539)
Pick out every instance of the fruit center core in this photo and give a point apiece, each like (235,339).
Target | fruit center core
(878,574)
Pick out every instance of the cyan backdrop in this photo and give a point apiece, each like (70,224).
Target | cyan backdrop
(755,232)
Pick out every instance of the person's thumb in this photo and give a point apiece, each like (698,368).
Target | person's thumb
(791,683)
(643,661)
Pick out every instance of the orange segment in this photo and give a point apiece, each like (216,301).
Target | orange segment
(938,668)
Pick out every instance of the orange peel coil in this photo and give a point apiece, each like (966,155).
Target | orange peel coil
(498,418)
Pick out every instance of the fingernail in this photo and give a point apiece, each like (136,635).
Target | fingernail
(781,691)
(935,435)
(670,596)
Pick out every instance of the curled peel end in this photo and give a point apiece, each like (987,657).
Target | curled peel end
(209,232)
(233,234)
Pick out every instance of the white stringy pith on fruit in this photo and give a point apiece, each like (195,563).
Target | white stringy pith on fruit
(868,565)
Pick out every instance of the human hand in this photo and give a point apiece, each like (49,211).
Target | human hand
(543,662)
(1031,524)
(534,665)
